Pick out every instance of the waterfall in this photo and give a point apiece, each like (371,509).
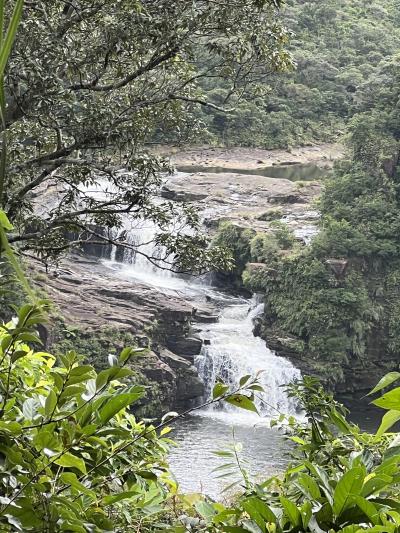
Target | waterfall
(231,351)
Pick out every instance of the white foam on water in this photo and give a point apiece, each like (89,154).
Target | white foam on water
(232,351)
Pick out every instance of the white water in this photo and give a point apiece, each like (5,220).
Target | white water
(232,351)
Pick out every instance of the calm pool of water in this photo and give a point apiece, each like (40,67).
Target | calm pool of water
(298,172)
(192,461)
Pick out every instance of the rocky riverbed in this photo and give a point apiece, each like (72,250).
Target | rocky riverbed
(98,310)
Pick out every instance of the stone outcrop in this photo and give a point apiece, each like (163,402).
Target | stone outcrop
(246,200)
(254,158)
(99,304)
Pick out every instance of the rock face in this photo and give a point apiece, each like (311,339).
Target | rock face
(253,158)
(246,200)
(104,308)
(97,303)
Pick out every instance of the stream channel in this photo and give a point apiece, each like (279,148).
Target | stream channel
(230,351)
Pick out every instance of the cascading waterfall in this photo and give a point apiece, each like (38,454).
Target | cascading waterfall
(231,351)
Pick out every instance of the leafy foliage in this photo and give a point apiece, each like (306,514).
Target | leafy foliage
(81,114)
(343,52)
(340,480)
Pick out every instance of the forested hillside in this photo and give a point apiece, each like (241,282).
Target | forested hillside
(85,88)
(342,50)
(333,306)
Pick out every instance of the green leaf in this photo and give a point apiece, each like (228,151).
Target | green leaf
(29,337)
(4,222)
(350,484)
(242,401)
(18,354)
(390,400)
(367,508)
(69,478)
(308,486)
(115,404)
(114,498)
(206,510)
(147,474)
(258,511)
(387,380)
(219,390)
(51,402)
(68,460)
(110,374)
(291,512)
(388,420)
(47,439)
(244,379)
(7,44)
(375,484)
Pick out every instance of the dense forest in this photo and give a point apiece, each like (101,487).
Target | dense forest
(78,116)
(334,305)
(342,52)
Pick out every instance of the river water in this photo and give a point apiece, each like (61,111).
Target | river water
(230,351)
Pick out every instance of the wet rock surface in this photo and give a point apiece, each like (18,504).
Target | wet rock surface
(95,300)
(91,299)
(248,200)
(253,158)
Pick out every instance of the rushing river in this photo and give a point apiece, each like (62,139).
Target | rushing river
(230,351)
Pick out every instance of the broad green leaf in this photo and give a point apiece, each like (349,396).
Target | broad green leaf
(46,439)
(10,427)
(117,403)
(29,337)
(390,400)
(51,402)
(350,484)
(69,478)
(68,460)
(18,354)
(387,380)
(388,420)
(367,508)
(114,498)
(242,401)
(205,509)
(291,512)
(374,484)
(308,486)
(111,374)
(147,474)
(244,379)
(219,390)
(258,511)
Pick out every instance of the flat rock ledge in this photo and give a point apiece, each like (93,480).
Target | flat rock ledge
(94,300)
